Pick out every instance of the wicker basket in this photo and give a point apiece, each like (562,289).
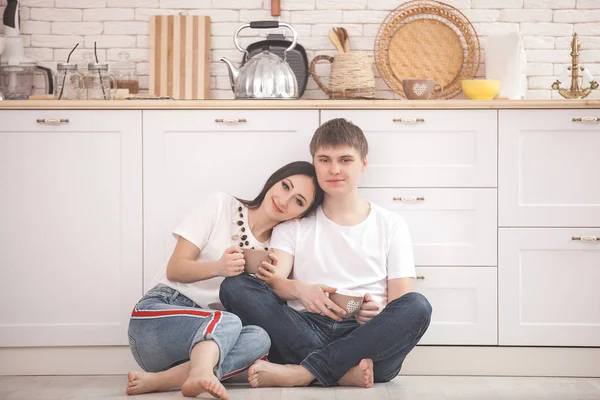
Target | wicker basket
(351,75)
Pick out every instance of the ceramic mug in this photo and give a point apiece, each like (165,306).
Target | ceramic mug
(348,300)
(420,89)
(253,259)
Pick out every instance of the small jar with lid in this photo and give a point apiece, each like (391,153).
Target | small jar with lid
(125,73)
(69,83)
(99,84)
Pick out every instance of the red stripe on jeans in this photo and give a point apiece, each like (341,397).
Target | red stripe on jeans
(239,371)
(214,322)
(150,313)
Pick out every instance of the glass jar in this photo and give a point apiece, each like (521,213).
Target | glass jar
(68,82)
(125,72)
(99,84)
(87,57)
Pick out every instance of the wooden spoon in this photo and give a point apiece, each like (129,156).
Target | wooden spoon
(336,41)
(346,41)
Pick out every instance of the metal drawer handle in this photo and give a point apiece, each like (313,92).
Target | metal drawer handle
(586,119)
(52,121)
(409,199)
(420,277)
(586,238)
(230,120)
(409,120)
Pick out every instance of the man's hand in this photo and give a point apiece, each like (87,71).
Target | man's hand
(368,310)
(315,300)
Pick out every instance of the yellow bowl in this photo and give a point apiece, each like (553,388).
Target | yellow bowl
(481,89)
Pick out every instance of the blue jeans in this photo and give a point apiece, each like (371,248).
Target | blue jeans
(165,325)
(326,348)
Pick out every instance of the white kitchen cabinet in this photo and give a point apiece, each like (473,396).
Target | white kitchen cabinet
(426,148)
(548,286)
(548,168)
(464,305)
(70,226)
(448,226)
(190,154)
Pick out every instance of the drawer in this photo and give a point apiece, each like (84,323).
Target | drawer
(448,226)
(450,148)
(464,305)
(548,169)
(64,120)
(548,287)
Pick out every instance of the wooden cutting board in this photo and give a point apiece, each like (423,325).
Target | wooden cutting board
(179,56)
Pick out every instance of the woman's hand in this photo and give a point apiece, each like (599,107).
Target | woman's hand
(368,310)
(231,262)
(267,270)
(315,300)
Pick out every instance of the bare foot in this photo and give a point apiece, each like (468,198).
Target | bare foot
(139,382)
(201,381)
(361,375)
(265,374)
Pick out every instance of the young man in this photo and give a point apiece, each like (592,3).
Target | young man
(348,243)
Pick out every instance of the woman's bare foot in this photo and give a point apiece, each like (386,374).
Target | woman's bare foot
(361,375)
(265,374)
(139,382)
(201,381)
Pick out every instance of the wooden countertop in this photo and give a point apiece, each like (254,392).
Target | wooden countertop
(294,104)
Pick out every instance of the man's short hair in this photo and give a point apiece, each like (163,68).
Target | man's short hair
(339,132)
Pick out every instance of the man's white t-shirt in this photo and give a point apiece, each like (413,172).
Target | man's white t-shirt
(210,227)
(360,258)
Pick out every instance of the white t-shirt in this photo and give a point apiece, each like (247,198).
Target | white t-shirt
(211,227)
(360,258)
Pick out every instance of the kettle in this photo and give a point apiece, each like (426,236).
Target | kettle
(265,75)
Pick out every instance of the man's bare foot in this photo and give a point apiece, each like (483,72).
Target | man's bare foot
(361,375)
(201,381)
(265,374)
(139,382)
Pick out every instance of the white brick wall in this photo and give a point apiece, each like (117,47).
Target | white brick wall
(51,28)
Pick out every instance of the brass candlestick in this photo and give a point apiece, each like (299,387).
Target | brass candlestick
(576,92)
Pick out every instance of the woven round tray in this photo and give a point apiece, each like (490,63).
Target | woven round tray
(427,39)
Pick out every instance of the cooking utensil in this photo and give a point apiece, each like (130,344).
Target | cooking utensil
(296,58)
(336,40)
(179,56)
(265,75)
(275,8)
(345,40)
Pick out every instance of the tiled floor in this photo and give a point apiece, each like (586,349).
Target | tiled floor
(401,388)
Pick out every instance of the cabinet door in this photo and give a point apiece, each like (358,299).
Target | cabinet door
(548,168)
(190,154)
(70,226)
(464,304)
(454,148)
(447,226)
(548,287)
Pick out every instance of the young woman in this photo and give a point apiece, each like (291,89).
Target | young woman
(178,332)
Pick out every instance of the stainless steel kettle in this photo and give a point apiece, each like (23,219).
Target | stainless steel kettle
(265,75)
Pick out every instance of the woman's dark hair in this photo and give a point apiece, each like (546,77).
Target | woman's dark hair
(293,168)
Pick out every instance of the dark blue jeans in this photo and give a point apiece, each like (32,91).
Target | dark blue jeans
(326,348)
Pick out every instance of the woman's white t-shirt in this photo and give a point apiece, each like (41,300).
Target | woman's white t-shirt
(211,228)
(360,258)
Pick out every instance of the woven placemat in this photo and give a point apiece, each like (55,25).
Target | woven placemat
(425,39)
